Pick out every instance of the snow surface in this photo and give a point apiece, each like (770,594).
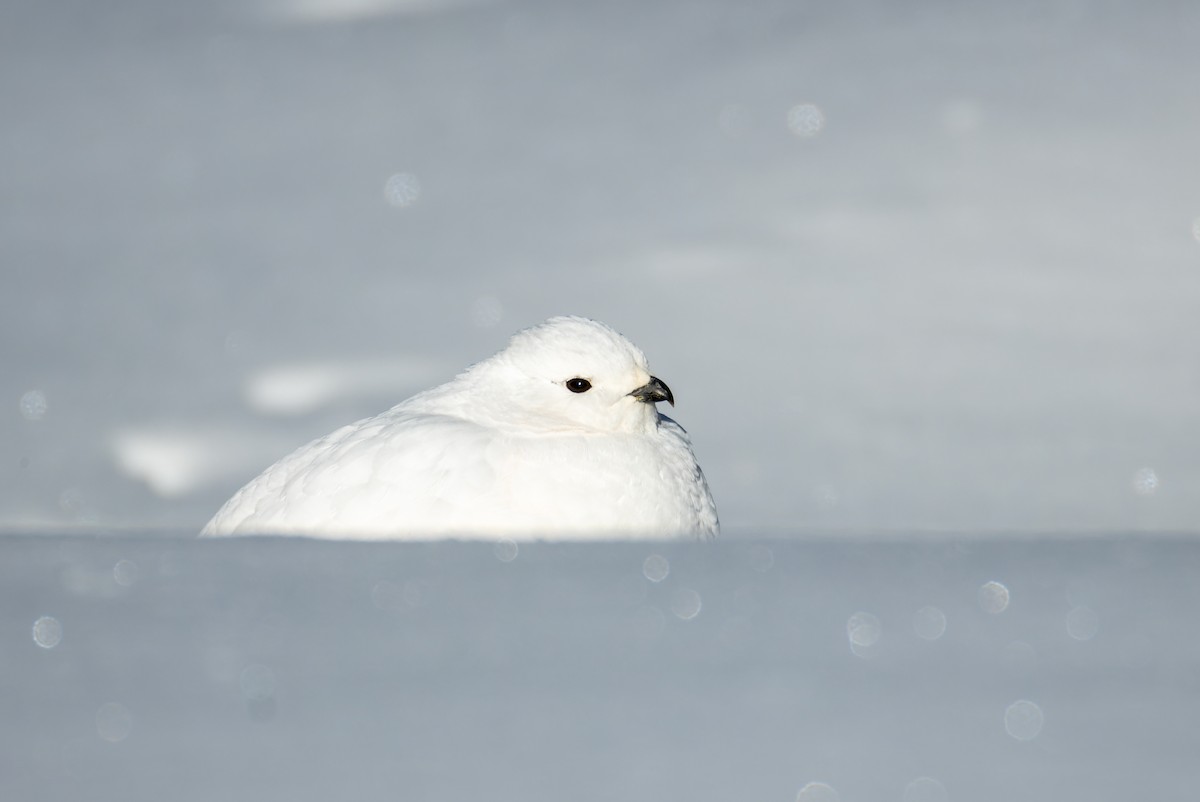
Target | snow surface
(904,264)
(272,669)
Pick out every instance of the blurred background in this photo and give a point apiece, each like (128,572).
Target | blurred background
(907,266)
(910,268)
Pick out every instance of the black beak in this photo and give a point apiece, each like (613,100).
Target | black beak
(654,391)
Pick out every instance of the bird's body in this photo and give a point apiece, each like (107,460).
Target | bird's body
(557,436)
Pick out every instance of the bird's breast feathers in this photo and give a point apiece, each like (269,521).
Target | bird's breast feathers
(420,475)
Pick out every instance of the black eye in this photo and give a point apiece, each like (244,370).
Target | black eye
(578,385)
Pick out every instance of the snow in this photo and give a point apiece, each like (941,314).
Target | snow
(291,669)
(923,278)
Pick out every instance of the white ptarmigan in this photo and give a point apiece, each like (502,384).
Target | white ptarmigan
(555,437)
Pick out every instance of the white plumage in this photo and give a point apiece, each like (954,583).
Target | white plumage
(557,436)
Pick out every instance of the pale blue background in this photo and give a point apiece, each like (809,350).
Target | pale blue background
(967,304)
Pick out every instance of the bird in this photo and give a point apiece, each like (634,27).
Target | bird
(556,437)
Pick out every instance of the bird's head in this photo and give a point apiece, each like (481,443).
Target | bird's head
(574,374)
